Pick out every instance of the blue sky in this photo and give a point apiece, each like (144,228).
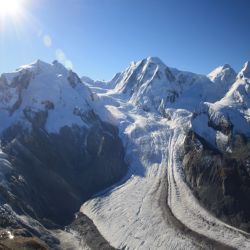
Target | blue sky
(101,37)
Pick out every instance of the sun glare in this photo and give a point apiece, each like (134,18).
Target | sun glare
(10,8)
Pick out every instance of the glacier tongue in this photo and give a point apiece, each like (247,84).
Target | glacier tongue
(133,214)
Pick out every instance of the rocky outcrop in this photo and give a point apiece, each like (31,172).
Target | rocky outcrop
(87,232)
(20,242)
(14,90)
(220,180)
(16,233)
(73,79)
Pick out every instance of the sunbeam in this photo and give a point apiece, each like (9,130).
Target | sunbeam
(10,8)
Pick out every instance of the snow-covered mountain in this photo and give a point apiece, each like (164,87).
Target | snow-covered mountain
(177,143)
(55,150)
(153,85)
(44,88)
(231,111)
(223,75)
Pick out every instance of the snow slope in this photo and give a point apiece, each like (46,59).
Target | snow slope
(224,76)
(151,84)
(27,89)
(152,207)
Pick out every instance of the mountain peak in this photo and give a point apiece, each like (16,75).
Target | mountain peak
(247,64)
(154,59)
(36,64)
(40,66)
(226,66)
(245,71)
(221,68)
(43,87)
(223,74)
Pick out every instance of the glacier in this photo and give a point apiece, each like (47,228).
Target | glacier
(153,207)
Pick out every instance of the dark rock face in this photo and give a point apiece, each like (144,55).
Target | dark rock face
(53,174)
(18,84)
(24,236)
(220,180)
(22,243)
(73,79)
(87,231)
(223,125)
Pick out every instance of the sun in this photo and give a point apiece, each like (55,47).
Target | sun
(11,8)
